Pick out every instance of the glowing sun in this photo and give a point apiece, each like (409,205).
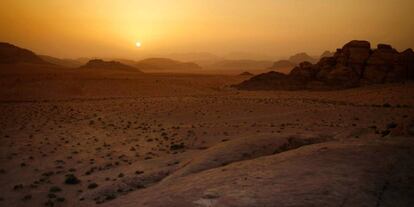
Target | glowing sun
(138,44)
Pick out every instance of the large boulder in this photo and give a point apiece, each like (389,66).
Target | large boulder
(384,47)
(357,53)
(342,77)
(325,66)
(383,66)
(406,59)
(305,71)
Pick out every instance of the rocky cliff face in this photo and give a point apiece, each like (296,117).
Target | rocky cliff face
(353,65)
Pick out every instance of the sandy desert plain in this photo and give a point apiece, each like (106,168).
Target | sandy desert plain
(83,138)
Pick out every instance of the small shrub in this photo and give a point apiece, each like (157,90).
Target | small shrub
(92,186)
(71,179)
(55,189)
(177,146)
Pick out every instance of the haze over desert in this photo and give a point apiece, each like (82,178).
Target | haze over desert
(206,103)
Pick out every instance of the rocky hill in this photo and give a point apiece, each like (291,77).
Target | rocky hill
(353,65)
(10,54)
(110,65)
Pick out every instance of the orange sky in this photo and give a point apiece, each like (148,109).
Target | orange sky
(268,28)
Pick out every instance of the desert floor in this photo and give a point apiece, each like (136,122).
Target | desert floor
(190,140)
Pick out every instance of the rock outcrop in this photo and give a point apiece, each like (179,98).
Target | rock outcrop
(10,54)
(353,65)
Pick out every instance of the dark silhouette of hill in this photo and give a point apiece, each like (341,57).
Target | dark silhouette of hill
(167,65)
(68,63)
(109,65)
(10,54)
(353,65)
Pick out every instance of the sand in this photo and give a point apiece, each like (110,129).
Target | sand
(191,140)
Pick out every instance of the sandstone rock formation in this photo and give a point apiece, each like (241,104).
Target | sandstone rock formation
(353,65)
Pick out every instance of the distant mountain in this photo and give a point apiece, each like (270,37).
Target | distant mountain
(246,74)
(84,60)
(202,58)
(242,65)
(68,63)
(109,65)
(132,63)
(283,66)
(245,56)
(327,53)
(302,57)
(10,54)
(167,65)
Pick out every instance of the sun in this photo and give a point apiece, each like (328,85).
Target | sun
(138,44)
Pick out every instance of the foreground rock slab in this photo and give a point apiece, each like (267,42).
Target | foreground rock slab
(352,173)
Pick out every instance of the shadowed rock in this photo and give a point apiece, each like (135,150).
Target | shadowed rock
(353,65)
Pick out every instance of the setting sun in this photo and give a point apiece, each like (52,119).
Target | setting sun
(139,103)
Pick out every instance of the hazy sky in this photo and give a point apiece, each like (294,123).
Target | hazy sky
(275,28)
